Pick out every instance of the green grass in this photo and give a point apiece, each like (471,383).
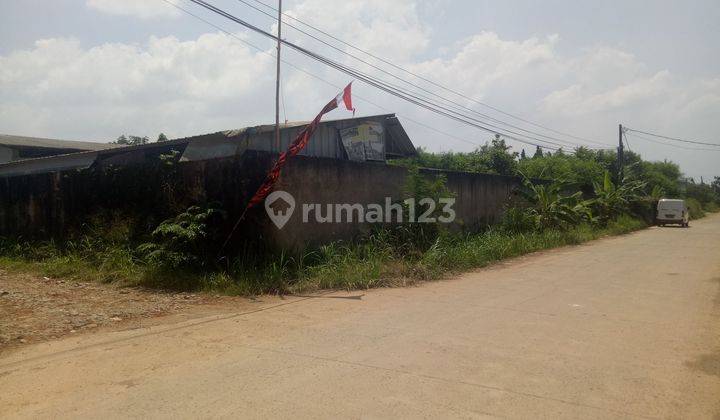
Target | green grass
(376,262)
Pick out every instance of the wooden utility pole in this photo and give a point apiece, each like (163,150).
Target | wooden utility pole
(277,80)
(620,156)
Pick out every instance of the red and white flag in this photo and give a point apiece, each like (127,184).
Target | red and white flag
(345,97)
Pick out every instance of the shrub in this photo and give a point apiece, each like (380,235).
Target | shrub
(711,207)
(694,208)
(184,240)
(419,187)
(518,220)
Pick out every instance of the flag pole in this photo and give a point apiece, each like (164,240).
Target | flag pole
(277,80)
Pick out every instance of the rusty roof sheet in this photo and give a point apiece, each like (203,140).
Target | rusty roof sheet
(11,140)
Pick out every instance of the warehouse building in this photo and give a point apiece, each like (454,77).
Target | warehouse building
(373,138)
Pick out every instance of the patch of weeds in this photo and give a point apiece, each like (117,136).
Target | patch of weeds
(387,257)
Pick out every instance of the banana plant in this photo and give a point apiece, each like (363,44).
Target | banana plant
(611,201)
(551,208)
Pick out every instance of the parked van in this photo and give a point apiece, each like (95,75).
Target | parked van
(672,212)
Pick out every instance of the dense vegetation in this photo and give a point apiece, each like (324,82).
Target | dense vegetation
(581,169)
(566,198)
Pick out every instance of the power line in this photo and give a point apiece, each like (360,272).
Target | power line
(454,106)
(626,140)
(416,75)
(377,83)
(300,69)
(676,146)
(674,138)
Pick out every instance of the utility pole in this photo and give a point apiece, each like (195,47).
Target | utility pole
(620,156)
(277,80)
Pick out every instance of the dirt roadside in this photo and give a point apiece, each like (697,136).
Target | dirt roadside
(623,327)
(34,309)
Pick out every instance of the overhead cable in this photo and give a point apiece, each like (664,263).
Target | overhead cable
(430,81)
(379,84)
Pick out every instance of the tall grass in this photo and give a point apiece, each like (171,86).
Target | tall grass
(377,261)
(711,207)
(695,208)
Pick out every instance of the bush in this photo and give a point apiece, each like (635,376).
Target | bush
(418,187)
(644,209)
(711,207)
(518,220)
(184,240)
(694,208)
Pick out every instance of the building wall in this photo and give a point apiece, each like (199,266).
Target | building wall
(7,154)
(480,198)
(52,204)
(325,142)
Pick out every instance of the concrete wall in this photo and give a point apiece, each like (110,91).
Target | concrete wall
(52,204)
(480,198)
(7,154)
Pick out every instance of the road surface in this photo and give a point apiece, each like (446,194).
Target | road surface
(621,327)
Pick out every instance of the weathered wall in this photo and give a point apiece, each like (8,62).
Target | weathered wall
(480,198)
(52,204)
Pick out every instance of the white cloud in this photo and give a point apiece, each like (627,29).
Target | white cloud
(145,9)
(60,88)
(583,99)
(176,85)
(484,60)
(391,28)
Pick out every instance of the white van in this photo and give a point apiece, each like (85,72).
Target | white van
(672,212)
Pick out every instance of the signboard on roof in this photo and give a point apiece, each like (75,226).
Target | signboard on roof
(364,142)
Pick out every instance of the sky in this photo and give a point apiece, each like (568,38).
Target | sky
(95,69)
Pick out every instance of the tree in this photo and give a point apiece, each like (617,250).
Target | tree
(538,152)
(162,137)
(131,140)
(522,154)
(611,201)
(493,157)
(664,174)
(579,169)
(704,193)
(498,158)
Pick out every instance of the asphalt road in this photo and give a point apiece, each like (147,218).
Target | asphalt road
(621,327)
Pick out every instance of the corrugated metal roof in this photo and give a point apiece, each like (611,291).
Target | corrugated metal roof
(10,140)
(324,143)
(49,164)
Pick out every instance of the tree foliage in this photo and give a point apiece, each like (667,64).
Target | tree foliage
(579,185)
(494,157)
(131,140)
(582,169)
(611,201)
